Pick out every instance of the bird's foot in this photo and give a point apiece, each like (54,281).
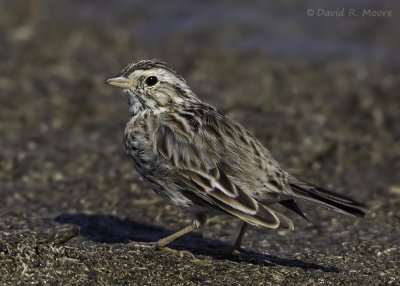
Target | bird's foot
(179,253)
(158,247)
(233,251)
(137,244)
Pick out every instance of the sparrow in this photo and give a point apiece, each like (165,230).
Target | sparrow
(197,158)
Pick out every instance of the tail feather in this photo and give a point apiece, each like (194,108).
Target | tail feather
(292,205)
(330,199)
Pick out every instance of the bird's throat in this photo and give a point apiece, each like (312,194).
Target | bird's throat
(136,104)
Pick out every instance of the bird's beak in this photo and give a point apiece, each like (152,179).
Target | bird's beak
(119,81)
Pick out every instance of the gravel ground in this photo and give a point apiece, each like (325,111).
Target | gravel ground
(71,202)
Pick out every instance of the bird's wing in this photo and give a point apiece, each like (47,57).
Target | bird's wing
(216,163)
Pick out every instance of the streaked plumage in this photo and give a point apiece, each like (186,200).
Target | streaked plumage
(199,159)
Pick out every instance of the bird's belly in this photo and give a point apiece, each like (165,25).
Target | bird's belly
(159,180)
(143,163)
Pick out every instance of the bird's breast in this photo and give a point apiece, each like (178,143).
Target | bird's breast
(138,140)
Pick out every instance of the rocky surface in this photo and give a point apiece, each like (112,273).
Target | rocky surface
(71,205)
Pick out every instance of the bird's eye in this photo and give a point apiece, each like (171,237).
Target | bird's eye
(151,80)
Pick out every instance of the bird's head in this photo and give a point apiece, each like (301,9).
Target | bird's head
(152,84)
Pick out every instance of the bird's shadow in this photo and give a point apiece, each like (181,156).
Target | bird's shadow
(110,229)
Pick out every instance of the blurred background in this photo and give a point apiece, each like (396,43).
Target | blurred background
(318,85)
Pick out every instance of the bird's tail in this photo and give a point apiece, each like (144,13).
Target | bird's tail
(330,199)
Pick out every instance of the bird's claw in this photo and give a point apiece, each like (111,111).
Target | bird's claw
(179,253)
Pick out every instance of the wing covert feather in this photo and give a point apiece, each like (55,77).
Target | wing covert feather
(197,146)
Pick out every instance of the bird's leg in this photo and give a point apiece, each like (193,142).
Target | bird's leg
(170,238)
(236,247)
(198,222)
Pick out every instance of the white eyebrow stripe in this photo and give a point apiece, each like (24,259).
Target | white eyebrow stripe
(161,74)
